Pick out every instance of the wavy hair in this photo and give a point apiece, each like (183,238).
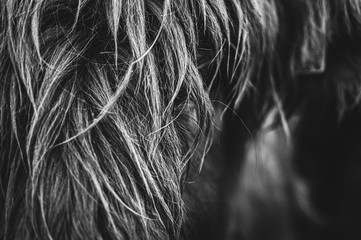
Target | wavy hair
(106,110)
(102,106)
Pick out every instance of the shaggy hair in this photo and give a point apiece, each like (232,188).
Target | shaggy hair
(102,106)
(106,116)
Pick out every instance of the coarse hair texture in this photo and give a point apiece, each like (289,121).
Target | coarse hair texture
(102,106)
(105,109)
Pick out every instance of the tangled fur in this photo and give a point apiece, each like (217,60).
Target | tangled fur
(102,106)
(106,111)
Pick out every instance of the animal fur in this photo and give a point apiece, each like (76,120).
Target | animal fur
(106,113)
(103,104)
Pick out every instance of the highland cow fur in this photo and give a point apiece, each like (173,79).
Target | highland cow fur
(180,119)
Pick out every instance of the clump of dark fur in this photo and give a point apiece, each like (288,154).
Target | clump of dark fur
(296,176)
